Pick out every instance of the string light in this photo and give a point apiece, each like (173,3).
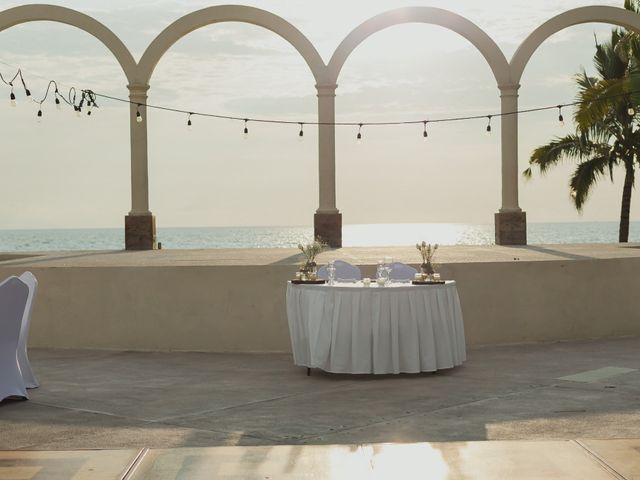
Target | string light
(560,117)
(39,114)
(88,97)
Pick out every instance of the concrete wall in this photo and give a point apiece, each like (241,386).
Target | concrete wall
(242,308)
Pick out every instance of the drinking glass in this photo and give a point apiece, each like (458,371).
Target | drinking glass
(388,261)
(331,273)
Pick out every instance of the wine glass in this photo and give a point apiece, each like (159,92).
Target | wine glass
(388,262)
(331,272)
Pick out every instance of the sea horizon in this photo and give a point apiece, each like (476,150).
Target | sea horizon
(354,235)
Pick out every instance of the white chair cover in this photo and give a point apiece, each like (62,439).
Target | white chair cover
(344,271)
(402,271)
(29,378)
(13,300)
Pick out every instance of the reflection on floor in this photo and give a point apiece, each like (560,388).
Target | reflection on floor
(523,460)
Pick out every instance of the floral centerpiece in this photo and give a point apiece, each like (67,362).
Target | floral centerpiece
(427,252)
(308,268)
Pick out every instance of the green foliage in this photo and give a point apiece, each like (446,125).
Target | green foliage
(311,250)
(606,135)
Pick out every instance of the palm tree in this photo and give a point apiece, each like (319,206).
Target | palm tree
(607,134)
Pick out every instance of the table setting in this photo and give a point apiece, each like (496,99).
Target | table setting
(401,321)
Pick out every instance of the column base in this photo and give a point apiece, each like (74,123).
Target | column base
(328,227)
(140,232)
(511,228)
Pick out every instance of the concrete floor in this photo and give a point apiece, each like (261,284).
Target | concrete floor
(112,399)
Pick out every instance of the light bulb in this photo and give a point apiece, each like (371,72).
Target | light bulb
(631,111)
(301,134)
(425,135)
(12,99)
(58,106)
(138,117)
(560,117)
(245,133)
(78,112)
(489,126)
(359,138)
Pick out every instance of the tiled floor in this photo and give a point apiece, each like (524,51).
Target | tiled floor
(522,460)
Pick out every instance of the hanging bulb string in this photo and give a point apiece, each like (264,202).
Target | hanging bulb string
(89,97)
(18,74)
(357,124)
(56,92)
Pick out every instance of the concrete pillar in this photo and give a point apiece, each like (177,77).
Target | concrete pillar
(327,221)
(510,221)
(140,224)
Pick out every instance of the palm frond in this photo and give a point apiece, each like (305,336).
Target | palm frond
(585,176)
(599,99)
(572,146)
(606,60)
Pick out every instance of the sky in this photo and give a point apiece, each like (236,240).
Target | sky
(68,172)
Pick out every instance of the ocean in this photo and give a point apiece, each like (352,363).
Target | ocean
(287,237)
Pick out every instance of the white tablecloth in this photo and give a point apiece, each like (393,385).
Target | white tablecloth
(400,328)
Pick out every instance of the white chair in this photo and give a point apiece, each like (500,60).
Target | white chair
(13,301)
(344,271)
(402,271)
(29,378)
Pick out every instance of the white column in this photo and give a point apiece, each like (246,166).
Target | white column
(139,161)
(327,148)
(509,138)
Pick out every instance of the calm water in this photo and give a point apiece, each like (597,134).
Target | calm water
(282,237)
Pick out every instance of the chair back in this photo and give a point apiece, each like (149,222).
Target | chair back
(402,271)
(13,301)
(344,271)
(29,279)
(30,380)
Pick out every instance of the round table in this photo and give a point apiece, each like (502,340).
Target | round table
(399,328)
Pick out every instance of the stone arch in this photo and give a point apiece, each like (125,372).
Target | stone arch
(228,13)
(431,15)
(53,13)
(613,15)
